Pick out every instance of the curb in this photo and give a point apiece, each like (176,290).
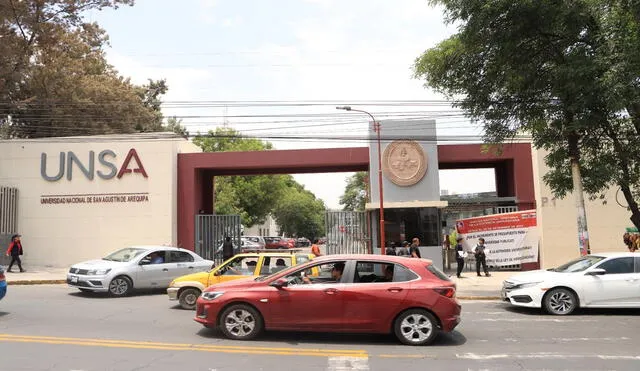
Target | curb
(36,282)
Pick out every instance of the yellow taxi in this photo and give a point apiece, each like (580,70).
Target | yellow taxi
(186,289)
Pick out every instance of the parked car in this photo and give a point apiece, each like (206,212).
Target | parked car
(135,267)
(186,289)
(276,243)
(374,294)
(256,240)
(592,281)
(3,283)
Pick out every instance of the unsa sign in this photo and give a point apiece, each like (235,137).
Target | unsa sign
(106,162)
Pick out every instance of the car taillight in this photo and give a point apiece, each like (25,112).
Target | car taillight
(448,292)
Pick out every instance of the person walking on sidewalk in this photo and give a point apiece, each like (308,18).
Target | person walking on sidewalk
(15,250)
(460,254)
(481,257)
(315,249)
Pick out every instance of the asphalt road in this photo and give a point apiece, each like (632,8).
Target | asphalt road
(58,328)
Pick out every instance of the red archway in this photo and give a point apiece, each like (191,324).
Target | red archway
(513,168)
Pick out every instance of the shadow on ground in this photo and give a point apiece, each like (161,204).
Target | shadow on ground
(579,311)
(291,338)
(104,295)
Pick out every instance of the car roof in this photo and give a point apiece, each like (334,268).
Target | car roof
(616,254)
(273,253)
(372,257)
(156,247)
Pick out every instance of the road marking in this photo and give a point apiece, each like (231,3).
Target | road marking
(480,357)
(529,320)
(348,364)
(188,347)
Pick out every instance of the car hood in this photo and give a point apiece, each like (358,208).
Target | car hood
(241,283)
(534,276)
(99,264)
(199,276)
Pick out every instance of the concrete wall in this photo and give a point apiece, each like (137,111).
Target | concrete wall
(69,220)
(558,226)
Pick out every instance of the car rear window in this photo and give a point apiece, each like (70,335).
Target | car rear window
(437,272)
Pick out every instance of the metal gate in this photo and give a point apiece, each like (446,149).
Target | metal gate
(347,232)
(211,231)
(8,217)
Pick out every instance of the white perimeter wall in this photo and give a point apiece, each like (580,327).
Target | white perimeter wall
(60,234)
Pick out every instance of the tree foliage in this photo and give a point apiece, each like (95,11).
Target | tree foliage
(55,80)
(300,213)
(354,197)
(565,72)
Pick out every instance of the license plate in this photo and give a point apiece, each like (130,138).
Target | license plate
(74,279)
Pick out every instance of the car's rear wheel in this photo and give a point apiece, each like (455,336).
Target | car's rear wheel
(188,298)
(241,322)
(416,327)
(560,301)
(120,286)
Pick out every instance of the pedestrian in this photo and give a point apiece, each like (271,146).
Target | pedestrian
(391,249)
(481,257)
(315,249)
(414,250)
(227,249)
(15,250)
(460,255)
(403,250)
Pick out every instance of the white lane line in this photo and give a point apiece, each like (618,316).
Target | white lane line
(348,364)
(528,320)
(566,340)
(480,357)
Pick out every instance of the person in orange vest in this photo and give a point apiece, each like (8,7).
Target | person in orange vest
(15,250)
(315,249)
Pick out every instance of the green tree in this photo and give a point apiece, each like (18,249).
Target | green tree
(174,125)
(564,72)
(300,213)
(54,78)
(252,197)
(354,197)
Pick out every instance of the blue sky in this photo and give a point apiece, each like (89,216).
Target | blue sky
(293,50)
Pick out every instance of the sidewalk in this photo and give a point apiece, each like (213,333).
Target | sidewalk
(36,276)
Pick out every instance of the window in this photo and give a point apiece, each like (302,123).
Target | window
(156,257)
(244,266)
(328,273)
(637,259)
(273,264)
(437,272)
(618,266)
(180,257)
(382,272)
(302,259)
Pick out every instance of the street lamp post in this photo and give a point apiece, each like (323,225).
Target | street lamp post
(376,128)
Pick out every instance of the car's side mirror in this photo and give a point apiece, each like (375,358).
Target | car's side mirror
(596,272)
(145,261)
(280,283)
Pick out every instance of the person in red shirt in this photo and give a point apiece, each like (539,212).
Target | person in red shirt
(15,250)
(315,249)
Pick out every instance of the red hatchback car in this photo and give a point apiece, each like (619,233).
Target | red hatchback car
(352,293)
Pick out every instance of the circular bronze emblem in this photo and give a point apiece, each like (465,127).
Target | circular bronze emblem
(404,162)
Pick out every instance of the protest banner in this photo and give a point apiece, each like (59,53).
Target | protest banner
(511,238)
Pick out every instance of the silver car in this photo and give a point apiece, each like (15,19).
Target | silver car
(139,267)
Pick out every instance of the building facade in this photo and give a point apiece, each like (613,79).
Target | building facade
(79,198)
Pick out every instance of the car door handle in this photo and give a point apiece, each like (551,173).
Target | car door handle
(330,291)
(190,267)
(632,279)
(165,269)
(394,289)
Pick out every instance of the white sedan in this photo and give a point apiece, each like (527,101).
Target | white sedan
(608,280)
(140,267)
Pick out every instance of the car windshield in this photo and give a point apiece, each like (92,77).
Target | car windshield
(124,255)
(579,264)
